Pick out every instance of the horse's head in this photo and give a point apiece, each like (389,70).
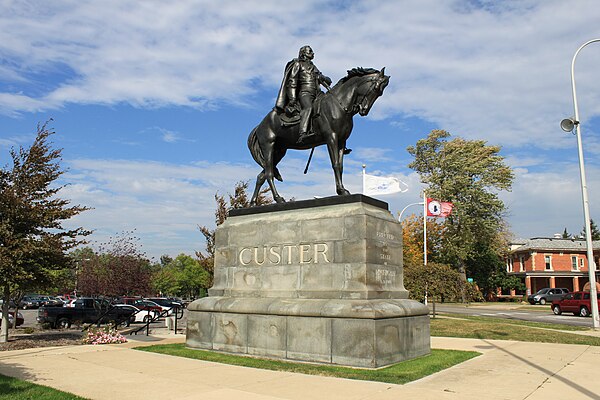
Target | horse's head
(368,85)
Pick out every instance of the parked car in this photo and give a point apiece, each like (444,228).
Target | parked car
(29,302)
(577,303)
(141,304)
(51,301)
(547,295)
(148,305)
(70,303)
(86,310)
(138,315)
(11,316)
(166,304)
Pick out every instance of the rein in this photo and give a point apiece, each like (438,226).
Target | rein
(346,110)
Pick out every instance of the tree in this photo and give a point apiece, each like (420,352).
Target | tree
(593,230)
(33,241)
(239,199)
(119,268)
(488,269)
(468,173)
(565,234)
(166,281)
(412,240)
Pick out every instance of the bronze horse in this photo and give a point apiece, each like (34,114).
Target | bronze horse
(332,124)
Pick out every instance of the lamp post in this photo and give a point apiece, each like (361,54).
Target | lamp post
(567,125)
(424,235)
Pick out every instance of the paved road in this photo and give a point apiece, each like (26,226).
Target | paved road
(543,315)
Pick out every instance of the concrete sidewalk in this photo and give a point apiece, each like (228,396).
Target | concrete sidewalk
(505,370)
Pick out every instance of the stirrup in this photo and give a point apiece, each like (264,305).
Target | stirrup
(303,137)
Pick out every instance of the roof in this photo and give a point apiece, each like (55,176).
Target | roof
(536,244)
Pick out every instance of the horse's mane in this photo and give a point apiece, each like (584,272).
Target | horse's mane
(359,71)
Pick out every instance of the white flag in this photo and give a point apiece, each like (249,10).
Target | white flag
(374,185)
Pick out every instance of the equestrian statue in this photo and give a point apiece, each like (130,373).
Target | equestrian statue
(304,117)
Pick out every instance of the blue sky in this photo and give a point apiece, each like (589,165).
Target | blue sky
(153,101)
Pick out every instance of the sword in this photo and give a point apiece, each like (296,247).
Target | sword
(309,158)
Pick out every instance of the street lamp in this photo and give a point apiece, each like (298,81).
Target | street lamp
(567,125)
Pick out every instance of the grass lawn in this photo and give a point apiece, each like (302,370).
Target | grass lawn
(16,389)
(506,329)
(400,373)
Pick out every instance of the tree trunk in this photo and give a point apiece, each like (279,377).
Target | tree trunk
(14,325)
(5,306)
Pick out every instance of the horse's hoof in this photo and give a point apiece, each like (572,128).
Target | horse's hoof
(279,199)
(343,192)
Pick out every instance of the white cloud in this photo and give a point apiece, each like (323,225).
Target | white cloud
(165,202)
(549,201)
(497,71)
(373,154)
(493,71)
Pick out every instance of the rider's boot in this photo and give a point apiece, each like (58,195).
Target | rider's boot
(305,132)
(305,136)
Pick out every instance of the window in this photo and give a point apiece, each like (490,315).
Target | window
(577,296)
(574,262)
(581,262)
(548,260)
(521,263)
(586,296)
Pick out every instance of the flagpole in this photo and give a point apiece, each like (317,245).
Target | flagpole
(363,178)
(425,236)
(424,228)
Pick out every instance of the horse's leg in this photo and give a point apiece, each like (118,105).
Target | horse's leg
(260,180)
(336,154)
(269,155)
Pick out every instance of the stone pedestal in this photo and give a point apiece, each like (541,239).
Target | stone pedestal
(317,280)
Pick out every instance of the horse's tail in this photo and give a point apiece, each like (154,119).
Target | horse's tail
(257,153)
(255,149)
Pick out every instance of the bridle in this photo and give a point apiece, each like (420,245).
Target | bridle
(353,109)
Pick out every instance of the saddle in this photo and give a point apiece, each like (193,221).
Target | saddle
(291,115)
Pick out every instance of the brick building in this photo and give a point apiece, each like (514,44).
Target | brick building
(550,262)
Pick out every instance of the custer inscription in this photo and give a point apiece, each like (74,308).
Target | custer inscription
(308,253)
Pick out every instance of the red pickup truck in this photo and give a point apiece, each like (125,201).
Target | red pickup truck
(577,302)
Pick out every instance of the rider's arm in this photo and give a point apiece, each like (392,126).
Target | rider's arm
(322,79)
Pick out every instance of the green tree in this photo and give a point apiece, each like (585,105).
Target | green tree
(193,278)
(239,199)
(565,234)
(488,269)
(182,276)
(441,283)
(166,281)
(468,173)
(33,241)
(593,229)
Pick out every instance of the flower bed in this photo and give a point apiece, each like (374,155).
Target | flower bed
(107,335)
